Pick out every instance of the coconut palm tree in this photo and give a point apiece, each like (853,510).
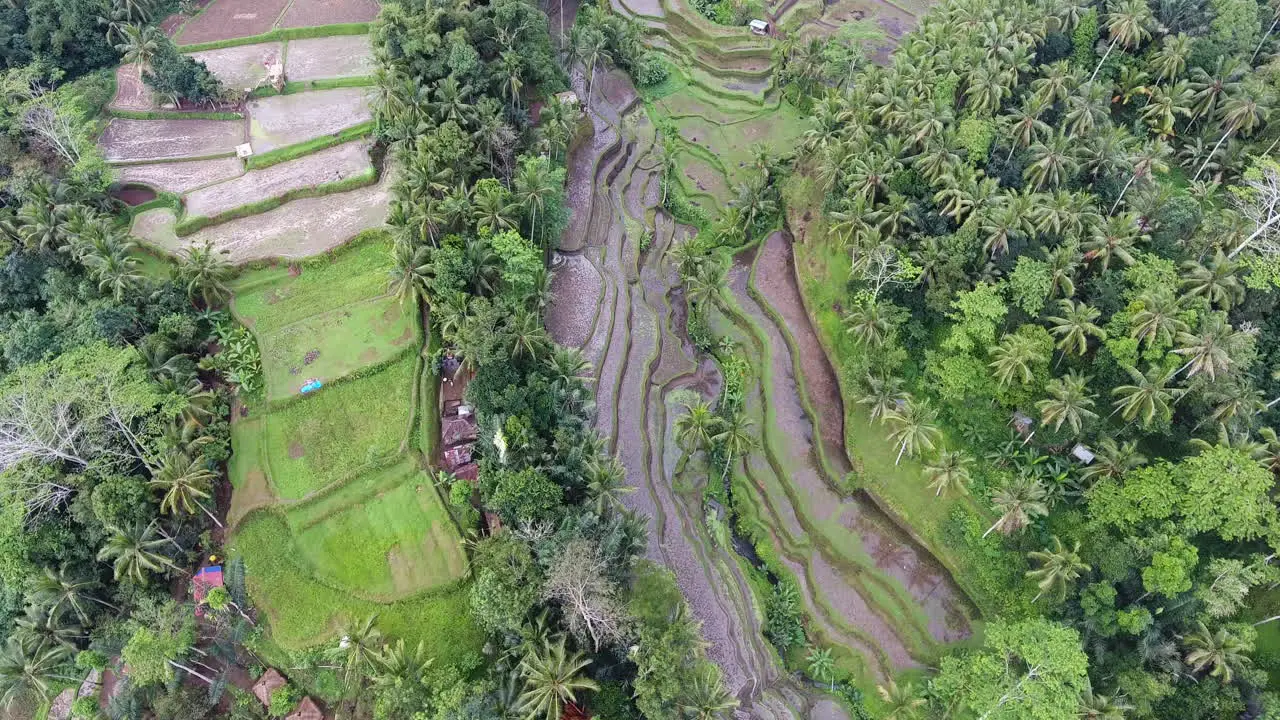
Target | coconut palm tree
(140,44)
(135,551)
(485,265)
(204,272)
(411,265)
(735,438)
(1157,321)
(1058,568)
(397,664)
(696,427)
(1215,281)
(553,679)
(1101,707)
(1165,105)
(1151,158)
(606,484)
(590,46)
(1221,653)
(822,667)
(534,186)
(902,702)
(1209,350)
(1127,25)
(529,336)
(494,209)
(882,395)
(1170,61)
(1018,503)
(869,324)
(110,260)
(1053,162)
(1113,460)
(1148,397)
(184,482)
(1069,402)
(59,590)
(1242,112)
(1014,359)
(1113,239)
(1075,326)
(949,472)
(706,697)
(913,429)
(357,652)
(29,672)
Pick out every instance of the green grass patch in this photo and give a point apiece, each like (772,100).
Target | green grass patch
(305,610)
(338,431)
(189,225)
(153,266)
(292,152)
(283,34)
(250,451)
(173,115)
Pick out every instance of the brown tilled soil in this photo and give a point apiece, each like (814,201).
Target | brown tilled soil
(243,67)
(131,92)
(227,19)
(128,140)
(180,177)
(327,166)
(284,120)
(171,24)
(308,13)
(341,56)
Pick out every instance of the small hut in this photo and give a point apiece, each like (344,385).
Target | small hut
(270,681)
(205,580)
(1082,453)
(759,27)
(306,710)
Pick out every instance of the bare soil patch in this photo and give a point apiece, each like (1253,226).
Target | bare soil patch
(308,13)
(241,67)
(131,92)
(284,120)
(227,19)
(297,229)
(327,166)
(180,177)
(171,24)
(341,56)
(296,450)
(126,140)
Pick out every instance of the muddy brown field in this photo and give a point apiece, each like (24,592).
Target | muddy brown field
(241,67)
(227,19)
(341,56)
(129,140)
(131,92)
(308,13)
(284,120)
(326,166)
(180,177)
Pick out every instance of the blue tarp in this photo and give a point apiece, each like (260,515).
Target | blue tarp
(311,385)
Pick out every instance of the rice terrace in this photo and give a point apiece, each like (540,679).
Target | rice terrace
(640,359)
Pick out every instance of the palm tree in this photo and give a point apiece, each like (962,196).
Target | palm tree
(205,272)
(1069,402)
(1216,281)
(590,46)
(529,336)
(1025,125)
(1157,321)
(1150,159)
(29,671)
(606,484)
(493,208)
(1075,326)
(486,266)
(511,80)
(1242,112)
(913,429)
(357,652)
(1014,359)
(1127,25)
(533,188)
(1018,503)
(903,702)
(134,552)
(706,698)
(59,590)
(1166,105)
(822,667)
(1114,239)
(752,199)
(1058,568)
(1208,352)
(140,44)
(696,427)
(1222,653)
(949,472)
(1170,61)
(869,324)
(109,259)
(408,274)
(882,395)
(1148,397)
(1113,460)
(1052,163)
(734,438)
(185,481)
(552,680)
(1101,707)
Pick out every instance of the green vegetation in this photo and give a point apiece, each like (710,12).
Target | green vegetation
(295,151)
(191,224)
(280,34)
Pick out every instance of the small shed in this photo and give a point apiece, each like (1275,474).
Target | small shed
(244,150)
(1082,453)
(206,579)
(459,429)
(457,456)
(568,97)
(759,27)
(469,472)
(306,710)
(270,681)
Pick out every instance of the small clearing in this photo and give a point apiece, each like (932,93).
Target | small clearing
(132,140)
(241,67)
(341,56)
(295,230)
(180,177)
(308,13)
(283,120)
(228,19)
(327,166)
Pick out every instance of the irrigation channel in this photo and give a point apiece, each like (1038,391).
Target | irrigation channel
(866,586)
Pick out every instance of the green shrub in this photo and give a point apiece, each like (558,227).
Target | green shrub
(651,69)
(292,152)
(783,617)
(85,707)
(179,76)
(91,660)
(283,700)
(1083,40)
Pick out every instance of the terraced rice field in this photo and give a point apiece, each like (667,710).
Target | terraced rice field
(282,120)
(228,19)
(341,56)
(126,141)
(334,516)
(181,177)
(243,66)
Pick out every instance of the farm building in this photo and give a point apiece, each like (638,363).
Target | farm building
(270,681)
(306,710)
(759,27)
(206,579)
